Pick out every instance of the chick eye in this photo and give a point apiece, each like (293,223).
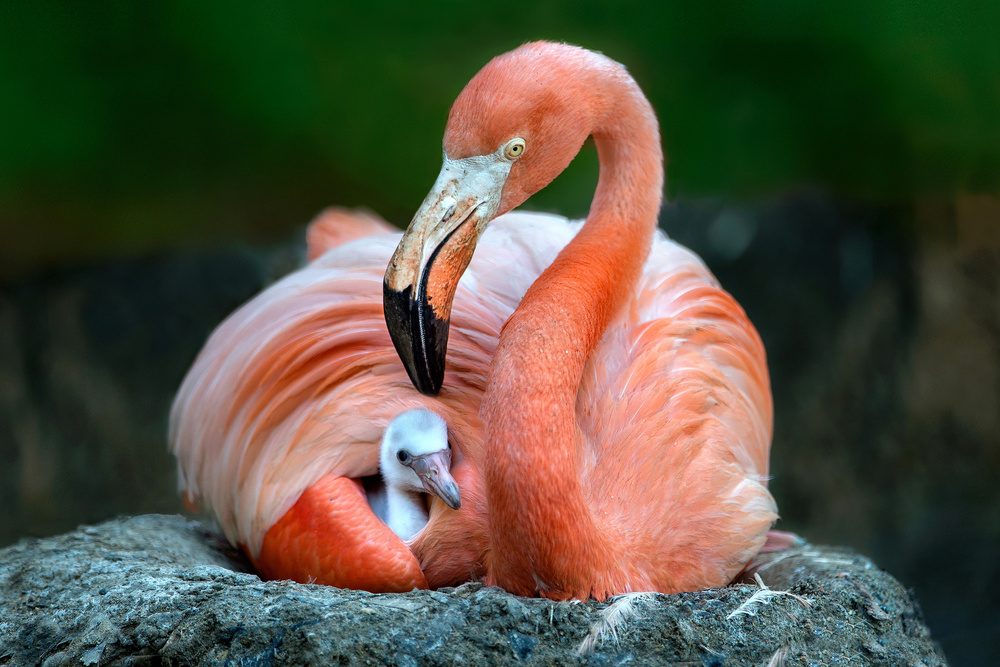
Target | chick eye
(403,456)
(514,149)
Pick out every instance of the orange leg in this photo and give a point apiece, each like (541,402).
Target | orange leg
(330,536)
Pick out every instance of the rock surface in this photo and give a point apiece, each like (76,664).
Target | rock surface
(158,589)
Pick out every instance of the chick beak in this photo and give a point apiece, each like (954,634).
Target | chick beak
(434,471)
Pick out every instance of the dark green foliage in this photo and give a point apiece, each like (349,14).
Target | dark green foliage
(131,125)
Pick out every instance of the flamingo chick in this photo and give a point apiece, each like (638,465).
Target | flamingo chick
(415,459)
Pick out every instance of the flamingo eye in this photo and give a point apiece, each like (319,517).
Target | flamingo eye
(403,456)
(514,149)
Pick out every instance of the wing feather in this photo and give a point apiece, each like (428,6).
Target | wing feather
(674,405)
(301,381)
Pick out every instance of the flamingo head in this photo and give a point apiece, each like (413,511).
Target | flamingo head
(415,456)
(519,122)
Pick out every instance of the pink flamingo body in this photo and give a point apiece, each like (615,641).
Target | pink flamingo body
(608,403)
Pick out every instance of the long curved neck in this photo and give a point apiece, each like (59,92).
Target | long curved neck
(539,516)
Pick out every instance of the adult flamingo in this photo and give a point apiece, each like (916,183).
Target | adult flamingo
(627,412)
(283,410)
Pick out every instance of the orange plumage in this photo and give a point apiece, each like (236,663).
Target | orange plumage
(613,437)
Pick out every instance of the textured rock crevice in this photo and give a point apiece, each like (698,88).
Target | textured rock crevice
(160,589)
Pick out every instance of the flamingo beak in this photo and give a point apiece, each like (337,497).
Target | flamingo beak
(434,471)
(423,274)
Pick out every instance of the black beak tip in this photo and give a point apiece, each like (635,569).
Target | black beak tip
(420,338)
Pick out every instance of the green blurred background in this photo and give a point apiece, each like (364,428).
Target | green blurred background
(129,126)
(158,162)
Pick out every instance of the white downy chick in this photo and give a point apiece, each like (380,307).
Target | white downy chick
(415,459)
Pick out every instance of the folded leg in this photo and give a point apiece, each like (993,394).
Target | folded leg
(330,536)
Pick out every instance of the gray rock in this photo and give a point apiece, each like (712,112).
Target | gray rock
(158,589)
